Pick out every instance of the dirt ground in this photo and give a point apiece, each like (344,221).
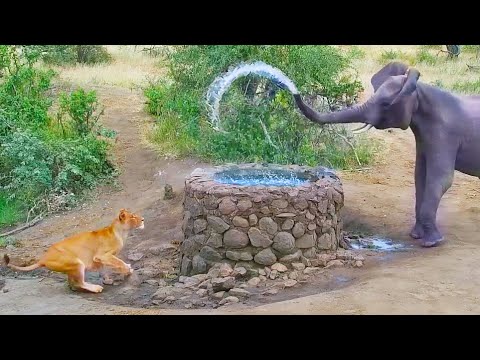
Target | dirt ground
(379,200)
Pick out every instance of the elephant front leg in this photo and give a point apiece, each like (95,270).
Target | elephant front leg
(420,174)
(439,178)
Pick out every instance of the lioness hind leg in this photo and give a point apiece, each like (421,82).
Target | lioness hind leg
(76,279)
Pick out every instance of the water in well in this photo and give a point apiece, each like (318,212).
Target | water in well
(376,243)
(268,177)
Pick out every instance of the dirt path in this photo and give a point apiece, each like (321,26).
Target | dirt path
(381,201)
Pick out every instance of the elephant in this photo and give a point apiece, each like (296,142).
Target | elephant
(446,127)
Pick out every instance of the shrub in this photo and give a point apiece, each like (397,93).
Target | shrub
(42,159)
(183,127)
(71,54)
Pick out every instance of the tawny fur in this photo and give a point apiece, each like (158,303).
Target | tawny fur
(90,250)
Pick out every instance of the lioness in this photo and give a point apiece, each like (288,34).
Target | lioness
(90,250)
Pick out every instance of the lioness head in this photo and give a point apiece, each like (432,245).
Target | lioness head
(131,220)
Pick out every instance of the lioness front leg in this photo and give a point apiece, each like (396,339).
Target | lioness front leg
(114,262)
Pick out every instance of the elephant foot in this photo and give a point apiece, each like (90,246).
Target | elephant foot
(417,232)
(431,241)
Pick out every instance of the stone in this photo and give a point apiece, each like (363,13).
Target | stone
(288,224)
(252,220)
(229,300)
(309,215)
(300,204)
(290,283)
(286,215)
(298,230)
(284,243)
(186,266)
(237,255)
(205,284)
(273,274)
(199,225)
(158,250)
(310,270)
(279,203)
(310,253)
(189,247)
(198,265)
(161,283)
(358,258)
(200,239)
(254,281)
(265,257)
(305,242)
(169,299)
(215,240)
(226,206)
(311,226)
(262,278)
(200,277)
(272,291)
(109,281)
(324,242)
(217,224)
(226,283)
(218,295)
(239,221)
(168,192)
(213,272)
(305,261)
(334,263)
(225,270)
(238,292)
(293,275)
(239,271)
(344,255)
(135,256)
(258,239)
(262,272)
(202,292)
(244,205)
(288,259)
(358,263)
(298,266)
(323,206)
(191,282)
(163,293)
(279,267)
(267,224)
(315,262)
(210,203)
(210,254)
(265,210)
(235,239)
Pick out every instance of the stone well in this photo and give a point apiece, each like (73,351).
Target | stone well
(256,215)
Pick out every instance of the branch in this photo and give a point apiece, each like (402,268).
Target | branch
(26,226)
(351,145)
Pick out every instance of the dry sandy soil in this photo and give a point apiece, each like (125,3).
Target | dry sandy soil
(442,280)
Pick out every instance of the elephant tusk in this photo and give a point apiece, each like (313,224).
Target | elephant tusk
(362,129)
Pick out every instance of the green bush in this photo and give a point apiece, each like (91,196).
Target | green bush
(71,54)
(42,157)
(183,127)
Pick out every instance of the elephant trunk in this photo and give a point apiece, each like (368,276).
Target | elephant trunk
(354,114)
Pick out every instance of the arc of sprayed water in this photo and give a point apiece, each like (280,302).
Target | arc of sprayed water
(223,82)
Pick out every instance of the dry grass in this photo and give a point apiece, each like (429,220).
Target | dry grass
(130,68)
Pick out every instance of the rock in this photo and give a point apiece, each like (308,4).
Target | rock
(344,255)
(5,290)
(284,243)
(295,257)
(309,215)
(238,255)
(168,192)
(238,292)
(288,224)
(240,222)
(188,306)
(219,284)
(252,220)
(229,300)
(151,282)
(358,263)
(215,240)
(298,230)
(210,254)
(323,206)
(315,262)
(262,272)
(109,281)
(235,239)
(244,205)
(267,224)
(273,274)
(265,210)
(310,253)
(163,293)
(240,271)
(272,291)
(254,281)
(213,272)
(301,204)
(358,258)
(298,266)
(311,226)
(305,242)
(227,206)
(199,239)
(219,295)
(135,256)
(202,292)
(259,239)
(293,275)
(242,285)
(186,266)
(157,250)
(310,270)
(189,246)
(290,283)
(169,299)
(279,267)
(267,270)
(199,225)
(262,278)
(325,258)
(285,277)
(306,261)
(217,224)
(279,203)
(265,257)
(225,270)
(191,281)
(286,215)
(205,284)
(334,263)
(198,265)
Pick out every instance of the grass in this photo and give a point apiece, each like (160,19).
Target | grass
(9,212)
(7,240)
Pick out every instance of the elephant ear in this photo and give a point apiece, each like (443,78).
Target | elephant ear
(392,69)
